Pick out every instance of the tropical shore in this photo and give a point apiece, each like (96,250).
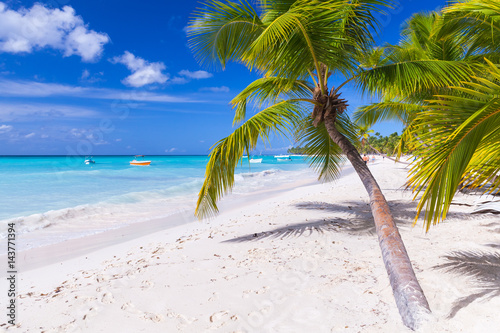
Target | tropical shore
(303,260)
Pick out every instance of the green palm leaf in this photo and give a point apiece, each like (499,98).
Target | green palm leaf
(324,156)
(269,90)
(223,31)
(226,154)
(463,143)
(369,115)
(410,77)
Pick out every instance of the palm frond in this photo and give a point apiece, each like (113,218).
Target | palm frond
(462,133)
(324,156)
(369,115)
(409,77)
(226,154)
(269,90)
(223,31)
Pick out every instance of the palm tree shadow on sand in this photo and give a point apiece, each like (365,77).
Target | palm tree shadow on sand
(307,229)
(482,267)
(361,222)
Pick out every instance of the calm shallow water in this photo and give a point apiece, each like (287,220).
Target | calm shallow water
(63,193)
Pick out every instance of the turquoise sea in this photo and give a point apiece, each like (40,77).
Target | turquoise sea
(63,197)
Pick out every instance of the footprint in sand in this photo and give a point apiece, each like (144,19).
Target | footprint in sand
(146,285)
(102,278)
(129,307)
(219,318)
(130,273)
(158,251)
(91,313)
(156,318)
(183,321)
(107,298)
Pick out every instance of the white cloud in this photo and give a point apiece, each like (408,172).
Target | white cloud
(32,111)
(171,150)
(179,80)
(118,140)
(5,128)
(143,72)
(216,89)
(91,78)
(44,136)
(37,89)
(195,75)
(77,133)
(11,88)
(27,136)
(39,27)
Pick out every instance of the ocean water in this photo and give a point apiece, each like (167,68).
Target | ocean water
(62,198)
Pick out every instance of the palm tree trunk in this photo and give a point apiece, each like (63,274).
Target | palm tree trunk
(410,298)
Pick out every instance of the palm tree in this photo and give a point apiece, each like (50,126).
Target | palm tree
(465,147)
(296,46)
(363,132)
(425,36)
(451,129)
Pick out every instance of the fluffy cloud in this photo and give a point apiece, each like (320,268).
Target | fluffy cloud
(27,136)
(195,75)
(38,27)
(143,72)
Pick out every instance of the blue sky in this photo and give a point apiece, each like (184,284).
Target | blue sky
(117,77)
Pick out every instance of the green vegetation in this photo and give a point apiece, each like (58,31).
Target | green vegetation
(454,129)
(298,150)
(374,144)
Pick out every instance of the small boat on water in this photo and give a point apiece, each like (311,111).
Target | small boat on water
(89,160)
(256,160)
(138,161)
(284,159)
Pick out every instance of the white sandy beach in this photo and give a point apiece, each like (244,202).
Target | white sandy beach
(306,260)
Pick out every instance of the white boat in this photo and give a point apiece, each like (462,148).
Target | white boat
(256,160)
(281,156)
(89,161)
(284,159)
(244,156)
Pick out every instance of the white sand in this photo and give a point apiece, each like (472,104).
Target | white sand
(314,266)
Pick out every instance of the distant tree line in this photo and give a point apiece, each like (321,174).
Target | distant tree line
(298,150)
(375,144)
(380,144)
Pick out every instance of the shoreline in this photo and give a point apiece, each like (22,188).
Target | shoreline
(304,260)
(87,220)
(39,256)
